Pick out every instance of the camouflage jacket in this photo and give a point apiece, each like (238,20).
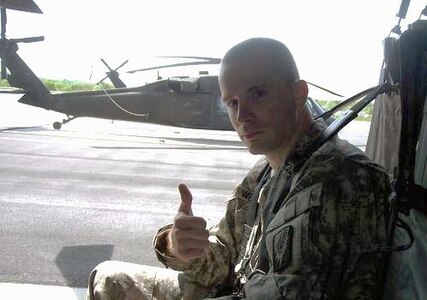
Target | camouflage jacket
(323,215)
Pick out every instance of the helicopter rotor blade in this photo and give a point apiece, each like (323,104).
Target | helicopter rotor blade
(105,63)
(122,64)
(203,60)
(111,70)
(193,63)
(211,59)
(207,61)
(102,80)
(324,89)
(108,67)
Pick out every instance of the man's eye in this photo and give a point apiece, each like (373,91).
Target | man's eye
(258,94)
(232,103)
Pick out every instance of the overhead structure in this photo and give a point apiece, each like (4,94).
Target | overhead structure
(21,5)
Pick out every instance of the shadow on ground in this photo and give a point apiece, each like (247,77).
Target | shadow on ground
(76,262)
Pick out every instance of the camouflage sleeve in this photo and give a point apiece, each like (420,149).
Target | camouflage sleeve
(216,268)
(321,242)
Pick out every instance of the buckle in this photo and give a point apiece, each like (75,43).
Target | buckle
(238,286)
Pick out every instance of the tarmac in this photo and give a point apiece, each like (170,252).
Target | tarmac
(46,292)
(42,292)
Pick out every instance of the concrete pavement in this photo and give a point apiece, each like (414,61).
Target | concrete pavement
(43,292)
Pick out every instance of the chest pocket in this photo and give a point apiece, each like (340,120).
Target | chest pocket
(287,235)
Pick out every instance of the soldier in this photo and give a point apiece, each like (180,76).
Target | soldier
(302,224)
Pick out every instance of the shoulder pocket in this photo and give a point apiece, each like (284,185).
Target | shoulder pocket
(287,235)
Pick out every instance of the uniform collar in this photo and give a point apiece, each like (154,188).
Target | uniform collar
(299,154)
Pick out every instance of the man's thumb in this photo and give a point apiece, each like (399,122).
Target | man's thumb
(186,199)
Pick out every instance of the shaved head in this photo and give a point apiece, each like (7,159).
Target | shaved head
(268,51)
(265,99)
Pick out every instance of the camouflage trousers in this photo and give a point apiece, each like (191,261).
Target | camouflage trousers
(115,280)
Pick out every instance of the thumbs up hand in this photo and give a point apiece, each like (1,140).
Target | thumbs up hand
(188,238)
(186,200)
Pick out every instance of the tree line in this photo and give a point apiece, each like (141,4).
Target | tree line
(66,85)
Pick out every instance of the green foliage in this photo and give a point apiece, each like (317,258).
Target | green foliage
(364,115)
(66,85)
(4,83)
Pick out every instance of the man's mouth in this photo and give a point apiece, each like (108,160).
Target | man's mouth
(250,135)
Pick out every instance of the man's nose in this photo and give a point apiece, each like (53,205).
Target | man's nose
(244,112)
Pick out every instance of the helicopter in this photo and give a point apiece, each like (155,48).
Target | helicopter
(177,101)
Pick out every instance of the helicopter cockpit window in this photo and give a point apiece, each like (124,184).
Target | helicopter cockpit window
(183,85)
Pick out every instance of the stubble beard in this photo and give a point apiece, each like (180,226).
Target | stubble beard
(257,146)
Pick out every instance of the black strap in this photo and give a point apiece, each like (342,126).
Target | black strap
(337,125)
(251,213)
(251,216)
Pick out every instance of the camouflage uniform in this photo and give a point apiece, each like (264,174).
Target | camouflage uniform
(308,231)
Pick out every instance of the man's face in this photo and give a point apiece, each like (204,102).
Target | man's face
(261,107)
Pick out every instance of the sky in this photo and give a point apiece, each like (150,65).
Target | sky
(336,43)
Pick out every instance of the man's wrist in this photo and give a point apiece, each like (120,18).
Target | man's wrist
(164,250)
(161,243)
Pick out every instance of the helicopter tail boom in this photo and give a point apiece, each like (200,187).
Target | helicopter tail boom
(21,76)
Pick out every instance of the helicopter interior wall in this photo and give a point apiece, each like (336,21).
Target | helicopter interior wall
(406,275)
(420,175)
(384,135)
(382,145)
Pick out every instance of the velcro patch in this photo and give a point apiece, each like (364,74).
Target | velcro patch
(282,248)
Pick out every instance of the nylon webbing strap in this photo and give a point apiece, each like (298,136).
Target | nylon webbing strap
(353,112)
(253,204)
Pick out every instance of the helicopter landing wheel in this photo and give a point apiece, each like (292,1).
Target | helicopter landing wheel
(57,125)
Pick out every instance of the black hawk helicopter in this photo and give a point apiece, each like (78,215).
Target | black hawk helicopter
(181,101)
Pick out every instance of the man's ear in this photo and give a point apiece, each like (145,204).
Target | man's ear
(300,92)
